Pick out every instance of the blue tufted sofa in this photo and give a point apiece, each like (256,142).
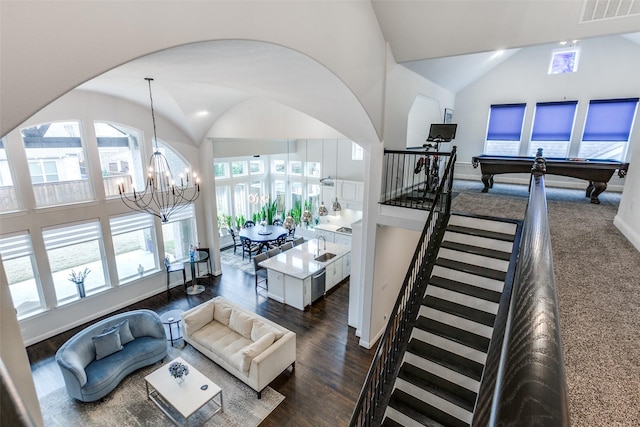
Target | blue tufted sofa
(88,379)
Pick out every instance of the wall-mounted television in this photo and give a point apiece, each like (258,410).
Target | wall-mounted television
(440,132)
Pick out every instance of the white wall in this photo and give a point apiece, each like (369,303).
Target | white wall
(609,68)
(92,36)
(628,218)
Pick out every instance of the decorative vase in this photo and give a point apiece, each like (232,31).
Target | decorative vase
(80,286)
(179,380)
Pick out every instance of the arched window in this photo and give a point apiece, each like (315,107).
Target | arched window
(120,156)
(57,163)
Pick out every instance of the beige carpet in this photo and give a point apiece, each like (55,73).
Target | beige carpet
(598,280)
(128,404)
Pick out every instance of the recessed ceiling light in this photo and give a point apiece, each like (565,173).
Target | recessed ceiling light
(562,43)
(202,113)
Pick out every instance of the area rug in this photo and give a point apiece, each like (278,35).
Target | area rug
(228,258)
(128,404)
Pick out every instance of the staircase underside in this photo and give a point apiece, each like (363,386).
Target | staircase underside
(439,379)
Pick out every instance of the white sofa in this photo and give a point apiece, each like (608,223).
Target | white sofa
(250,347)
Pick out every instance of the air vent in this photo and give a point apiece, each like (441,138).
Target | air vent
(600,10)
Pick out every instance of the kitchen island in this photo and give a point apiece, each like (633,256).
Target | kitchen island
(290,273)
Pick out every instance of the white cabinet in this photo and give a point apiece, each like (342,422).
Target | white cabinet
(329,235)
(276,285)
(297,292)
(346,266)
(333,273)
(343,239)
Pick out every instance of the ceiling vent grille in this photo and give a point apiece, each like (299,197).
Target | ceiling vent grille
(601,10)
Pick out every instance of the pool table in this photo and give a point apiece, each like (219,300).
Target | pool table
(597,172)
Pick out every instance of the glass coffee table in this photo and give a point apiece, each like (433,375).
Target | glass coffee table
(186,398)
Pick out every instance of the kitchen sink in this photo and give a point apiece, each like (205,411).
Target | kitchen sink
(345,230)
(325,257)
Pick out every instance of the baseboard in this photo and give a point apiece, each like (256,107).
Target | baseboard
(627,232)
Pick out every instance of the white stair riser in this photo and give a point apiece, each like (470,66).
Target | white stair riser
(450,346)
(458,298)
(455,321)
(469,279)
(435,401)
(479,260)
(442,372)
(482,242)
(483,224)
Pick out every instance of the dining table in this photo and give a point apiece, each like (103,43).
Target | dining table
(263,234)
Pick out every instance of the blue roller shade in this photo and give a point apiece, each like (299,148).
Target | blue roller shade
(553,121)
(505,122)
(610,119)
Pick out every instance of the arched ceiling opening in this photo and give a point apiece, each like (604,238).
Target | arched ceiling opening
(195,85)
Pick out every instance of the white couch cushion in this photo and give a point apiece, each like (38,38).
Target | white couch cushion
(251,351)
(241,323)
(222,313)
(260,329)
(199,317)
(222,341)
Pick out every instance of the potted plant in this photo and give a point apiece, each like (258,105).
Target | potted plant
(78,279)
(178,371)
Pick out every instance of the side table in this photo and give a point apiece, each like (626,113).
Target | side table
(171,321)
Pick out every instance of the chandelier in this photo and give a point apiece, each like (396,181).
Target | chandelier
(162,196)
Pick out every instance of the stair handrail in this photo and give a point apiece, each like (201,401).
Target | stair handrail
(376,390)
(530,382)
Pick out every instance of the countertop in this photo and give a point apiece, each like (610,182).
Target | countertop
(333,228)
(299,261)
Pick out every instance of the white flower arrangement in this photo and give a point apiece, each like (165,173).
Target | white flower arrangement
(178,370)
(79,277)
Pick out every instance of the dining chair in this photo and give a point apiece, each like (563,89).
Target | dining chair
(248,247)
(280,240)
(298,241)
(273,252)
(249,224)
(292,235)
(278,222)
(173,268)
(236,243)
(260,272)
(286,246)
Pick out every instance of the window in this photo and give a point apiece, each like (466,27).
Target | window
(120,156)
(8,198)
(279,191)
(607,129)
(134,245)
(357,152)
(179,234)
(504,130)
(241,198)
(57,163)
(221,170)
(279,167)
(75,247)
(256,167)
(175,161)
(313,169)
(239,168)
(564,60)
(552,128)
(295,168)
(20,268)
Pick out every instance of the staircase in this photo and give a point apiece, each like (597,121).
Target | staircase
(438,381)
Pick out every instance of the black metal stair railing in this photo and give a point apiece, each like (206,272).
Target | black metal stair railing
(377,388)
(524,381)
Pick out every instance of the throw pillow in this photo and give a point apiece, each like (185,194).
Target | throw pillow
(107,343)
(260,329)
(125,332)
(241,323)
(222,312)
(251,351)
(200,316)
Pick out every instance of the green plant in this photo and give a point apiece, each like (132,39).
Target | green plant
(225,221)
(270,209)
(240,221)
(296,212)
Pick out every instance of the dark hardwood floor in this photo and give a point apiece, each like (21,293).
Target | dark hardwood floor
(330,366)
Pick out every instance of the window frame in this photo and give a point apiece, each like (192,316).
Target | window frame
(547,118)
(492,142)
(131,223)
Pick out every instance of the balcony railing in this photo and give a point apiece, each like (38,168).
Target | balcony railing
(411,178)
